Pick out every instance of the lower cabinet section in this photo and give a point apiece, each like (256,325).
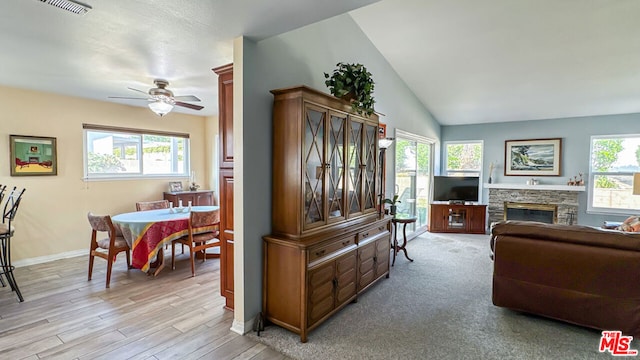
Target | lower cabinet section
(373,262)
(331,285)
(305,282)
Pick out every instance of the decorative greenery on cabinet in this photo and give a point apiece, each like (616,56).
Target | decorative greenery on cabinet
(352,82)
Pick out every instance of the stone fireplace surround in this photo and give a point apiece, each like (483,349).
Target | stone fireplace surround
(564,196)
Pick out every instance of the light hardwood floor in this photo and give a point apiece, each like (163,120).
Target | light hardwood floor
(171,316)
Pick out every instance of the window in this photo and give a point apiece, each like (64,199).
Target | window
(463,158)
(614,160)
(413,177)
(130,153)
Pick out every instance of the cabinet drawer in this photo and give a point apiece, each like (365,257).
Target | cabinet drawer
(371,232)
(327,249)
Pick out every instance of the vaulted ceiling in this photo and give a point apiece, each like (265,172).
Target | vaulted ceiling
(468,61)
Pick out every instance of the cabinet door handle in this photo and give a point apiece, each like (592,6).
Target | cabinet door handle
(320,253)
(335,282)
(365,235)
(381,228)
(345,243)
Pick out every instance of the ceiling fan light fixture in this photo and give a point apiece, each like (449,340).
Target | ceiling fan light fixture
(160,107)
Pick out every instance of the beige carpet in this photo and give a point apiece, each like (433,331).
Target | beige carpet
(438,307)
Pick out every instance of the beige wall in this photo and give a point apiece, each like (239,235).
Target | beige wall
(52,216)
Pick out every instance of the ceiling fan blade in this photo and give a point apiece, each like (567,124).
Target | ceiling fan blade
(140,91)
(129,98)
(186,98)
(190,106)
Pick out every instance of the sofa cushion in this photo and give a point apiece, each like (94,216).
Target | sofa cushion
(577,234)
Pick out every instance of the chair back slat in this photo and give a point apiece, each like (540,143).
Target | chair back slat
(11,205)
(204,218)
(152,205)
(3,192)
(101,222)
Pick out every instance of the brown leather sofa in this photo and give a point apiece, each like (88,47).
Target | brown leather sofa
(579,274)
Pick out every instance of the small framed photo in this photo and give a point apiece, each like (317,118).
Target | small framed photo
(175,186)
(536,157)
(382,131)
(32,155)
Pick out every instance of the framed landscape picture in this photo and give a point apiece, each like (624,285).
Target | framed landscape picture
(32,155)
(536,157)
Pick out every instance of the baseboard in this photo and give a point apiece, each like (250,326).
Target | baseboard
(47,258)
(242,328)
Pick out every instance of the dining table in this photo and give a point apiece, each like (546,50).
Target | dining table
(147,232)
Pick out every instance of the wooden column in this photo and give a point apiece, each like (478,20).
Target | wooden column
(225,118)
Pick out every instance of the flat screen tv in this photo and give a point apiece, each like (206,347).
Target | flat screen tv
(456,188)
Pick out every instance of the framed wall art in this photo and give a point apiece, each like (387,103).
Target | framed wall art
(535,157)
(32,155)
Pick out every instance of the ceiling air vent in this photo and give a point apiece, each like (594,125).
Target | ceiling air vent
(75,7)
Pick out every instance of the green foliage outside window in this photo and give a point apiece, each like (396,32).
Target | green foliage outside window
(605,153)
(104,163)
(464,156)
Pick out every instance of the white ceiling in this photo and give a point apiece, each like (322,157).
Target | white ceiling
(472,61)
(123,43)
(468,61)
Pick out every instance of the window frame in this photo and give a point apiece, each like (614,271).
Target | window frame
(86,128)
(591,209)
(450,172)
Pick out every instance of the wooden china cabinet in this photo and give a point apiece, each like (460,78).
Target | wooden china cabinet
(225,119)
(328,242)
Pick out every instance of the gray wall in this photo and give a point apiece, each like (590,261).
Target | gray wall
(576,137)
(301,57)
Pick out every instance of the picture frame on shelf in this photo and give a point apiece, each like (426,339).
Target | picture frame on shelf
(32,155)
(382,131)
(175,186)
(534,157)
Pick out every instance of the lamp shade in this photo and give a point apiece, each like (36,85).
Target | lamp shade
(636,184)
(160,107)
(385,143)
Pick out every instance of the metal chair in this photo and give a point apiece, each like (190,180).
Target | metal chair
(7,229)
(113,244)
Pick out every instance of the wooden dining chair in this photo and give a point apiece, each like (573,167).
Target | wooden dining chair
(152,205)
(106,248)
(199,241)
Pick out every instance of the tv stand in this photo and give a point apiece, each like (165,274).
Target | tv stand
(458,218)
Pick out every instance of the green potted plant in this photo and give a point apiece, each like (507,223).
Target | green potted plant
(393,207)
(352,82)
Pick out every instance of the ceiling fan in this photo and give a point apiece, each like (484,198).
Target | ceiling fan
(161,100)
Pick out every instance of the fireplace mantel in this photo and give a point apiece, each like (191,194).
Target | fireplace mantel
(534,187)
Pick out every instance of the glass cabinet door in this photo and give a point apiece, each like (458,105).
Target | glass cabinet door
(370,151)
(313,157)
(335,169)
(355,165)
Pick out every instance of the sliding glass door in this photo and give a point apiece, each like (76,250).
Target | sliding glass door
(414,158)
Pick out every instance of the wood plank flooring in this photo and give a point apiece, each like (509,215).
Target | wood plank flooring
(171,316)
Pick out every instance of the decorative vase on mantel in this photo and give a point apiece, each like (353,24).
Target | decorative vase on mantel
(489,180)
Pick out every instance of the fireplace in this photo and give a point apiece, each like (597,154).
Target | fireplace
(563,197)
(545,213)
